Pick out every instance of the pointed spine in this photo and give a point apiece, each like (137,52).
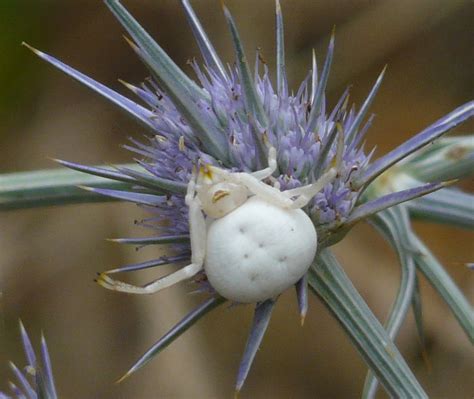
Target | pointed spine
(282,83)
(164,260)
(253,102)
(302,297)
(141,114)
(431,133)
(47,370)
(263,312)
(321,87)
(138,198)
(174,333)
(352,131)
(183,92)
(152,240)
(28,347)
(208,52)
(387,201)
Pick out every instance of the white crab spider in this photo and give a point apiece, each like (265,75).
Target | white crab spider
(252,240)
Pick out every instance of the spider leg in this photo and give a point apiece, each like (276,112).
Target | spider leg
(197,228)
(150,288)
(255,186)
(272,166)
(306,193)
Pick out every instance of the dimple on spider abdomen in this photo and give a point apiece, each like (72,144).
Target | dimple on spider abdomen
(259,250)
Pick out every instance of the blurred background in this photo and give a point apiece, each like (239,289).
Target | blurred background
(48,257)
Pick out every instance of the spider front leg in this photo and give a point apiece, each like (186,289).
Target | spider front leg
(272,166)
(304,194)
(197,228)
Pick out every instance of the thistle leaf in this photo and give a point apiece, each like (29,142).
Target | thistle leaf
(135,110)
(208,52)
(351,133)
(449,206)
(163,260)
(446,287)
(318,97)
(253,102)
(418,315)
(177,85)
(27,392)
(153,240)
(328,280)
(394,225)
(138,198)
(372,207)
(153,182)
(448,158)
(263,312)
(46,375)
(175,332)
(22,190)
(27,346)
(164,63)
(282,83)
(302,296)
(418,141)
(321,162)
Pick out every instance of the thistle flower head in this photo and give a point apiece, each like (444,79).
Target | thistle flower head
(229,118)
(35,380)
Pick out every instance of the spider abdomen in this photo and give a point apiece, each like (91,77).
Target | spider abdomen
(259,250)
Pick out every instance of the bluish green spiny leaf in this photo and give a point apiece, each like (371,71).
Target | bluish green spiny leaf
(261,319)
(208,52)
(138,198)
(444,285)
(152,240)
(321,87)
(176,84)
(22,190)
(141,114)
(394,224)
(328,280)
(108,173)
(372,207)
(418,315)
(152,181)
(253,102)
(161,261)
(150,47)
(175,332)
(27,391)
(451,158)
(449,206)
(46,374)
(282,83)
(321,162)
(431,133)
(302,297)
(351,133)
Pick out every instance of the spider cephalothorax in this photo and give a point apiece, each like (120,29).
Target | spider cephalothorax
(252,240)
